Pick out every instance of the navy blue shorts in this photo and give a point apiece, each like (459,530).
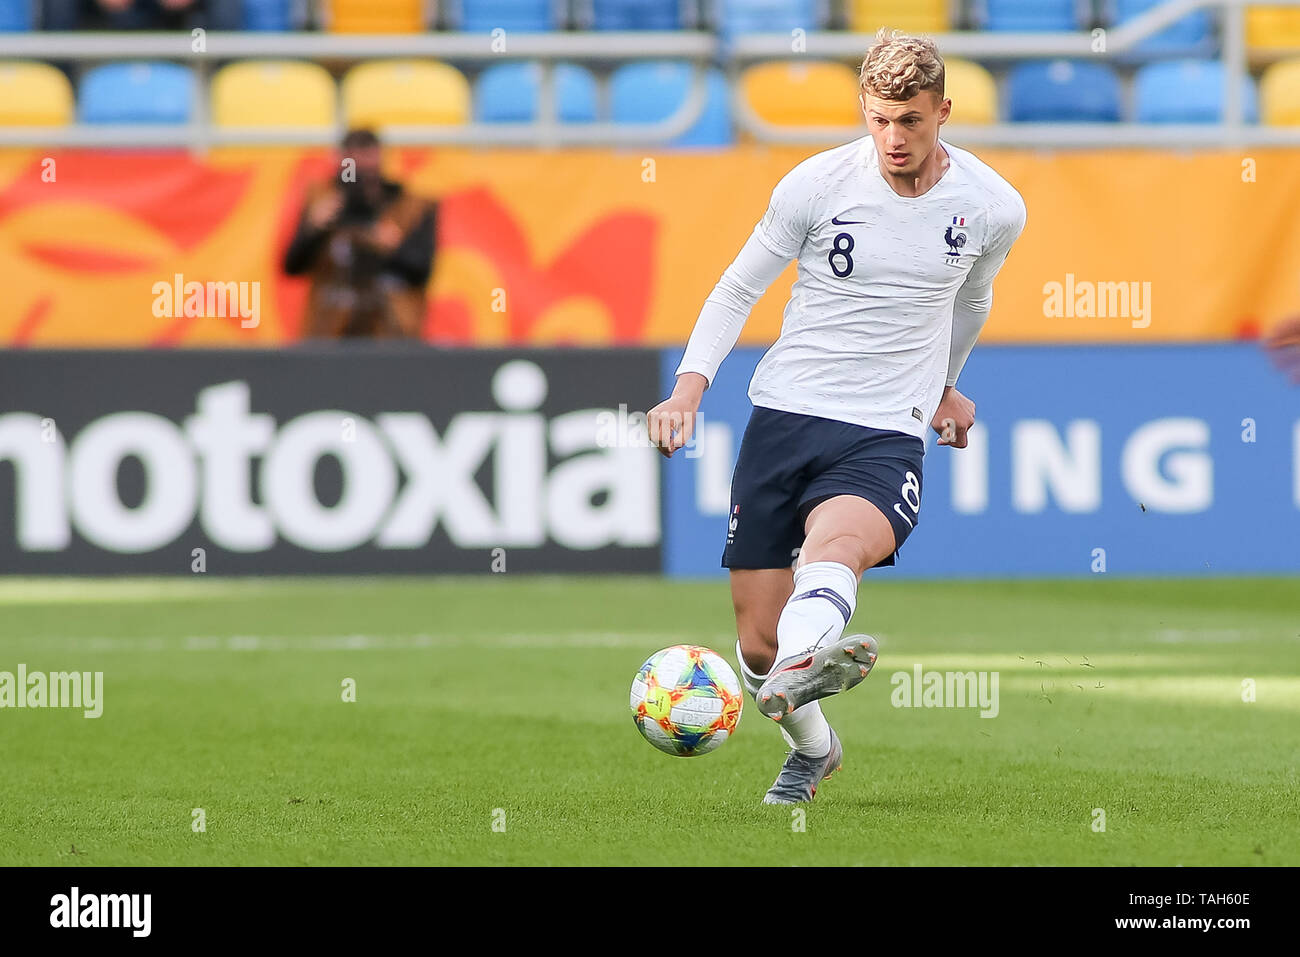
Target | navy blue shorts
(790,463)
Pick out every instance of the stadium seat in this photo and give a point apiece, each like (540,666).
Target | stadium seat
(523,15)
(652,91)
(34,94)
(1031,15)
(1062,91)
(140,92)
(803,93)
(405,93)
(268,15)
(511,92)
(1191,36)
(768,16)
(16,15)
(913,16)
(1187,91)
(973,91)
(273,93)
(636,14)
(375,16)
(1273,28)
(1279,93)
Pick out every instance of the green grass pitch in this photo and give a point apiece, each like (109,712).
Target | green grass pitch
(504,700)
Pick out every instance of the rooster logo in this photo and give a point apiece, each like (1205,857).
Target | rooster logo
(955,240)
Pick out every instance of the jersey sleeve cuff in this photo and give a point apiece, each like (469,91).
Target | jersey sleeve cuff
(697,367)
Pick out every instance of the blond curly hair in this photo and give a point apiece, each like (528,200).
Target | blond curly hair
(898,67)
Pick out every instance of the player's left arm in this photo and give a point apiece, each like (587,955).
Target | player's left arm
(956,413)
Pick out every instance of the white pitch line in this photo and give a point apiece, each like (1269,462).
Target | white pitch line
(1188,635)
(650,642)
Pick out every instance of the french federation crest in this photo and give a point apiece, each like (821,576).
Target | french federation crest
(955,237)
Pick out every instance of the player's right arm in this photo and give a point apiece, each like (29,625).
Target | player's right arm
(774,242)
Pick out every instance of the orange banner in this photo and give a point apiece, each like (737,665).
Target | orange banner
(609,247)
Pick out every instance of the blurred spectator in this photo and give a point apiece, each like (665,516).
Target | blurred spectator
(367,245)
(143,14)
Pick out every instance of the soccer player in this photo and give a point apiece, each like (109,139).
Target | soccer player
(898,237)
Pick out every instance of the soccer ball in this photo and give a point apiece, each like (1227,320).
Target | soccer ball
(686,700)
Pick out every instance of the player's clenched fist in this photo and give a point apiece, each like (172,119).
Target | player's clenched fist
(672,422)
(954,418)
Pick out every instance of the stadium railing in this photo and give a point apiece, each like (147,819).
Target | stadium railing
(700,48)
(218,48)
(1116,43)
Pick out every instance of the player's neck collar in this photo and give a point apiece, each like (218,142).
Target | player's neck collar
(873,160)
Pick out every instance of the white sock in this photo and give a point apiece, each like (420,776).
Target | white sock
(804,729)
(825,596)
(750,679)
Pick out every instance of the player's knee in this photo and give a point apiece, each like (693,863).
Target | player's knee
(847,548)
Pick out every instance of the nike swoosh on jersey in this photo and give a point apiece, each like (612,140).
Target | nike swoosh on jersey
(848,222)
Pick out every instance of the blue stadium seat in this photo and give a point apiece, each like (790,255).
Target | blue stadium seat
(15,15)
(1187,91)
(1031,15)
(1063,91)
(510,93)
(141,92)
(268,15)
(1191,36)
(651,91)
(768,16)
(636,14)
(525,15)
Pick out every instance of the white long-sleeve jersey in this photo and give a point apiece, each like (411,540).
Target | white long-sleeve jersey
(891,292)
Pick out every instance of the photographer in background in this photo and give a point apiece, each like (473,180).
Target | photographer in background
(367,246)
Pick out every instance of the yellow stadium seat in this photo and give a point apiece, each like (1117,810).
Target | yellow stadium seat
(377,16)
(34,94)
(973,91)
(1279,94)
(273,93)
(911,16)
(1273,28)
(405,93)
(803,93)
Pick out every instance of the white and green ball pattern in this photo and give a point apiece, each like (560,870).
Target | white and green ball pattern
(686,700)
